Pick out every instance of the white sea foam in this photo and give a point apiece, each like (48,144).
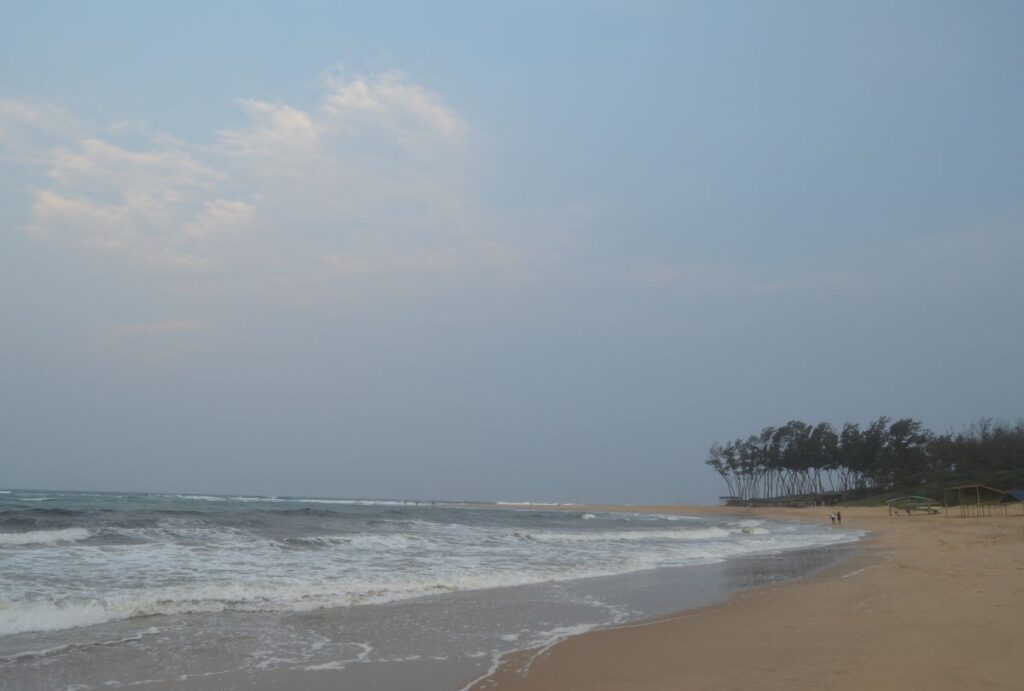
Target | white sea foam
(335,664)
(362,540)
(362,656)
(367,584)
(355,502)
(20,617)
(633,535)
(545,640)
(44,537)
(48,616)
(92,644)
(280,500)
(269,560)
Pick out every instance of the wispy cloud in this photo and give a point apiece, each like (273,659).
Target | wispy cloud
(28,129)
(221,216)
(273,129)
(375,177)
(144,205)
(390,99)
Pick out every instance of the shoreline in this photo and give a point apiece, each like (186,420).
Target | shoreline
(925,601)
(396,644)
(840,558)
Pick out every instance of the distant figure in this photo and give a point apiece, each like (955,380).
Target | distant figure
(839,518)
(833,517)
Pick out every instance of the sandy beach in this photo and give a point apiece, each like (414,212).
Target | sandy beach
(930,602)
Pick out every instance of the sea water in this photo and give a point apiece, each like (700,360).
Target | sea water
(100,590)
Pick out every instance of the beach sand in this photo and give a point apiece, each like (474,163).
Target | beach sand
(930,602)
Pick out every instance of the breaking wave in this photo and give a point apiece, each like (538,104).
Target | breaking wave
(45,537)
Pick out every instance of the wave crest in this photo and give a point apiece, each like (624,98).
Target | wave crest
(45,537)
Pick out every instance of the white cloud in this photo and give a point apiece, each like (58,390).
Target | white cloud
(376,177)
(164,173)
(145,205)
(388,100)
(27,128)
(273,129)
(363,115)
(35,116)
(221,216)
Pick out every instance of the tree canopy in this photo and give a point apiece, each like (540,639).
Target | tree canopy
(883,456)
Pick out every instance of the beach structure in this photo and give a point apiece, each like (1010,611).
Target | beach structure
(1014,498)
(975,501)
(910,504)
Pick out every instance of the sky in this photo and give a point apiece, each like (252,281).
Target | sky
(545,251)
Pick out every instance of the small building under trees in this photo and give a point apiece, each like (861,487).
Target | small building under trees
(910,503)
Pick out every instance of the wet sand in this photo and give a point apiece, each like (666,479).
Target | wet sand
(931,602)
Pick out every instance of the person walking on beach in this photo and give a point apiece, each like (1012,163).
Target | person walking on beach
(839,518)
(833,517)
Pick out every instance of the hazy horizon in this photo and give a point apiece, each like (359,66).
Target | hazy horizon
(546,252)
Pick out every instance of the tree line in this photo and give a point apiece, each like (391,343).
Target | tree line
(883,456)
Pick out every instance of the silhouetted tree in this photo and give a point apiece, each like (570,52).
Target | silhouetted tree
(886,455)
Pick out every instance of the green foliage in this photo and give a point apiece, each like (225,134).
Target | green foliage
(872,499)
(886,456)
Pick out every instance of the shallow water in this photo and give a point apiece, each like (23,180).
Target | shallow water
(110,590)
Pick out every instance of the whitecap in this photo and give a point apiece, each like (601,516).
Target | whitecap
(44,537)
(632,535)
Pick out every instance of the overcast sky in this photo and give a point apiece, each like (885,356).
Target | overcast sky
(548,251)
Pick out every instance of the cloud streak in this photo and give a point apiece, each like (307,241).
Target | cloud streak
(371,179)
(137,204)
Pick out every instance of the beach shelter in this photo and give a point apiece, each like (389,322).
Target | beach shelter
(975,500)
(911,503)
(1013,497)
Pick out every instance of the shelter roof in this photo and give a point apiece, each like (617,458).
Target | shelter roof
(912,498)
(991,489)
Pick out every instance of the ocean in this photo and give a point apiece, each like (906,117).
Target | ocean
(105,590)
